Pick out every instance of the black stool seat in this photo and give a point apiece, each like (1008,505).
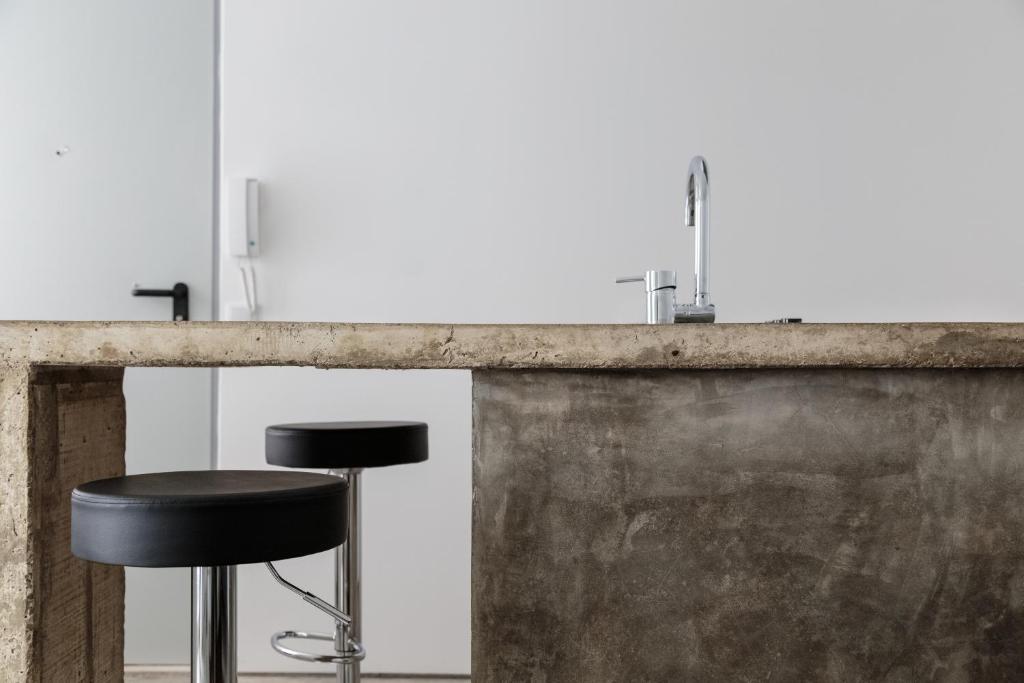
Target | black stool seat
(207,518)
(346,445)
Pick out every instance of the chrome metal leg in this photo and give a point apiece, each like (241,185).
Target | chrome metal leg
(348,581)
(214,639)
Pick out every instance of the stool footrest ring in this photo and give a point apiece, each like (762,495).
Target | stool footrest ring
(355,654)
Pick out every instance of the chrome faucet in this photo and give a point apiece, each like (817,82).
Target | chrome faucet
(661,284)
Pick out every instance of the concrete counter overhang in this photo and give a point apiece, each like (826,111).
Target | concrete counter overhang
(447,346)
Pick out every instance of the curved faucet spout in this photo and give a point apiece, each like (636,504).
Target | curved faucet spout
(697,210)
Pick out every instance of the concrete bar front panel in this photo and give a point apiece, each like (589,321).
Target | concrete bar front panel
(788,524)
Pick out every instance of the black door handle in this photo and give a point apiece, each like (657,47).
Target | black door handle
(178,294)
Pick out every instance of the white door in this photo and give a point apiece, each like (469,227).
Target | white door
(106,168)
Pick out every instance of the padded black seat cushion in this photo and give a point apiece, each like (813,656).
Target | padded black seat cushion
(207,518)
(346,445)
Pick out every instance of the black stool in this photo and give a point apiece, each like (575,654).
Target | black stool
(345,449)
(210,521)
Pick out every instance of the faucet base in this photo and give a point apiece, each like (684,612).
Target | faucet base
(692,313)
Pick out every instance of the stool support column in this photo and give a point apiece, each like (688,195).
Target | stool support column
(348,579)
(214,638)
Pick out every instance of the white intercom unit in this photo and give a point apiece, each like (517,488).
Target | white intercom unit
(243,217)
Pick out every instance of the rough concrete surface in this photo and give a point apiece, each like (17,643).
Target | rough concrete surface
(61,619)
(15,550)
(782,525)
(344,345)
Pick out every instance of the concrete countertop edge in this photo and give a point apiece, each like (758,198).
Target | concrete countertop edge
(480,347)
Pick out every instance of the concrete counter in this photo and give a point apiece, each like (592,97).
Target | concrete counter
(688,502)
(407,346)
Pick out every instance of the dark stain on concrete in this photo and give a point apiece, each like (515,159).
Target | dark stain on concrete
(748,525)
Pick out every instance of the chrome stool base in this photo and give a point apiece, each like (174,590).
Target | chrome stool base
(214,625)
(348,582)
(347,608)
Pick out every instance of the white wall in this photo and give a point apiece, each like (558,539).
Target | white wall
(471,161)
(126,86)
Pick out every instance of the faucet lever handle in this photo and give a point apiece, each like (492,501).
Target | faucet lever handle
(653,279)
